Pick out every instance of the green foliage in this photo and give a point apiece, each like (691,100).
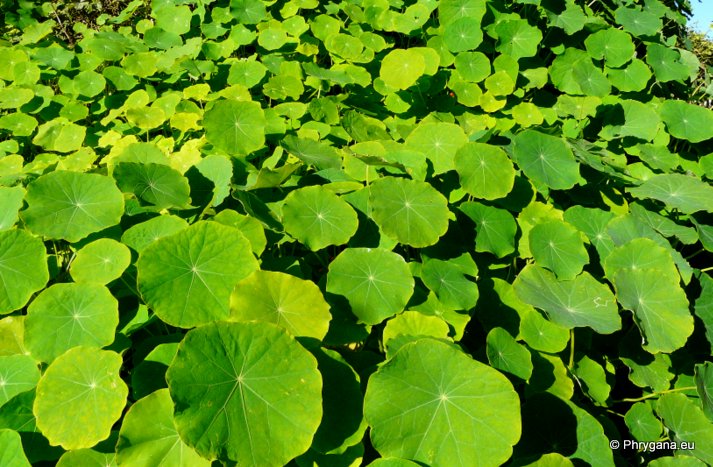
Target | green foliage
(434,232)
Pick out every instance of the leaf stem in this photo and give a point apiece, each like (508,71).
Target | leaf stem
(571,349)
(656,394)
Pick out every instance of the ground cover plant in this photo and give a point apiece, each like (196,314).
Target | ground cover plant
(374,232)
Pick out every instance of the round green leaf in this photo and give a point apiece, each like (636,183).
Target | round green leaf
(506,354)
(148,436)
(80,397)
(144,234)
(174,19)
(100,262)
(439,141)
(485,171)
(377,283)
(450,284)
(558,246)
(401,68)
(463,34)
(157,184)
(11,450)
(685,193)
(18,124)
(69,315)
(72,205)
(634,77)
(687,422)
(18,373)
(575,303)
(639,254)
(642,422)
(667,63)
(60,135)
(23,268)
(410,326)
(187,277)
(87,458)
(235,127)
(637,22)
(451,10)
(409,211)
(546,159)
(230,381)
(612,45)
(472,66)
(495,228)
(434,404)
(275,297)
(687,121)
(517,38)
(660,307)
(317,217)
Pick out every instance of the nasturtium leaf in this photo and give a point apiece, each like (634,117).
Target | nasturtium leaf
(687,422)
(638,22)
(409,211)
(11,450)
(142,235)
(148,436)
(549,374)
(10,203)
(484,170)
(704,387)
(450,284)
(87,458)
(68,315)
(278,298)
(18,373)
(401,68)
(677,461)
(89,83)
(573,303)
(71,205)
(100,262)
(23,265)
(376,282)
(187,277)
(687,121)
(235,127)
(312,152)
(247,73)
(593,379)
(546,159)
(174,19)
(83,382)
(393,462)
(612,45)
(472,66)
(506,354)
(317,217)
(60,135)
(558,246)
(462,34)
(12,97)
(410,326)
(542,334)
(640,254)
(18,124)
(250,227)
(666,63)
(660,307)
(642,422)
(439,141)
(456,410)
(633,77)
(231,380)
(156,184)
(517,38)
(678,191)
(451,10)
(495,228)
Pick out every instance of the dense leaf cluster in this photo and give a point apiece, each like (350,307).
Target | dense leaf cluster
(397,233)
